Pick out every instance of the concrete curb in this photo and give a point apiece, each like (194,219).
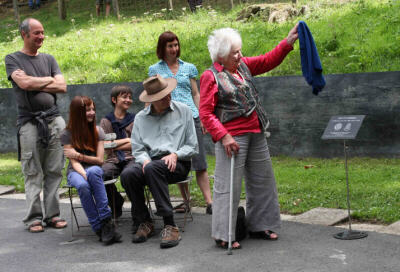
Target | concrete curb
(6,189)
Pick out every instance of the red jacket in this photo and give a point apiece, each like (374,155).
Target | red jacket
(209,98)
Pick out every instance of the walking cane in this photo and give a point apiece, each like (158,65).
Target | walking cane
(231,206)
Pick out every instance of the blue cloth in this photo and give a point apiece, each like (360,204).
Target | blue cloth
(183,91)
(119,129)
(310,62)
(92,194)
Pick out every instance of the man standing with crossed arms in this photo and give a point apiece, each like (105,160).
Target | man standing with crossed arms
(36,78)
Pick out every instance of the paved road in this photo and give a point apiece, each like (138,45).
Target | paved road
(301,247)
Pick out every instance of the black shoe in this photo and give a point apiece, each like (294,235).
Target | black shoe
(107,231)
(98,233)
(181,208)
(209,209)
(117,238)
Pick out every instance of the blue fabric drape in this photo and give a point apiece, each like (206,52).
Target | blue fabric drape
(310,62)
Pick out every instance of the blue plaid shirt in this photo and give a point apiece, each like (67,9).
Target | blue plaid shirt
(183,91)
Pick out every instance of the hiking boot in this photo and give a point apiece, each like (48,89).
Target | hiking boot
(144,231)
(170,237)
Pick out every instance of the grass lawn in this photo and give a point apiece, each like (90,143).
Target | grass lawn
(374,185)
(351,37)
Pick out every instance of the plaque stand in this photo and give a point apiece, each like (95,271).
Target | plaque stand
(345,128)
(348,234)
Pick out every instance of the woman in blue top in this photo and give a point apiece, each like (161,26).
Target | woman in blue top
(186,91)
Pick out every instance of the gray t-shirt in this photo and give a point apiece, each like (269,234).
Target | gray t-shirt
(41,65)
(66,140)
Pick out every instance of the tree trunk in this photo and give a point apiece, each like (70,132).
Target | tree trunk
(62,10)
(16,11)
(170,5)
(231,4)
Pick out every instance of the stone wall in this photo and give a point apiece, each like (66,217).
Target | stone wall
(298,118)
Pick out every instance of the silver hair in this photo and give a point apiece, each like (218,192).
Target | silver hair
(221,41)
(25,27)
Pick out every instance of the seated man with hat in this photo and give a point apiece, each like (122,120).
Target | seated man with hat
(163,142)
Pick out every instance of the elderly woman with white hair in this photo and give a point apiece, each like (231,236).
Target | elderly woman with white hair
(232,113)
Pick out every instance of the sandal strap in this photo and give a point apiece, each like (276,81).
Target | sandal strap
(57,220)
(35,224)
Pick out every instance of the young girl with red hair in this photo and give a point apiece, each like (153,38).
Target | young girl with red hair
(83,146)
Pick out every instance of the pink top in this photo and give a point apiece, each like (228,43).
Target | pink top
(209,97)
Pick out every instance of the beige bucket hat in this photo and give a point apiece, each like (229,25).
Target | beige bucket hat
(156,88)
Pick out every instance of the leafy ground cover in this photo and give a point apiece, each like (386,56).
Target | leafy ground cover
(303,184)
(352,36)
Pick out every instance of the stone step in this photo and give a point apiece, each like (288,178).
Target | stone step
(13,196)
(6,189)
(365,227)
(394,228)
(321,216)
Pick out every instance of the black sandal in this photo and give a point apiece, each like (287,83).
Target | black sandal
(224,245)
(32,226)
(181,208)
(266,235)
(53,223)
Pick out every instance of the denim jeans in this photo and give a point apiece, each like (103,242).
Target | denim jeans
(92,194)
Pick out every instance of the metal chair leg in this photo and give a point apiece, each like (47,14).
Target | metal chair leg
(114,213)
(71,209)
(147,197)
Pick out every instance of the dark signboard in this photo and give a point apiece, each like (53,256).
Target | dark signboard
(343,127)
